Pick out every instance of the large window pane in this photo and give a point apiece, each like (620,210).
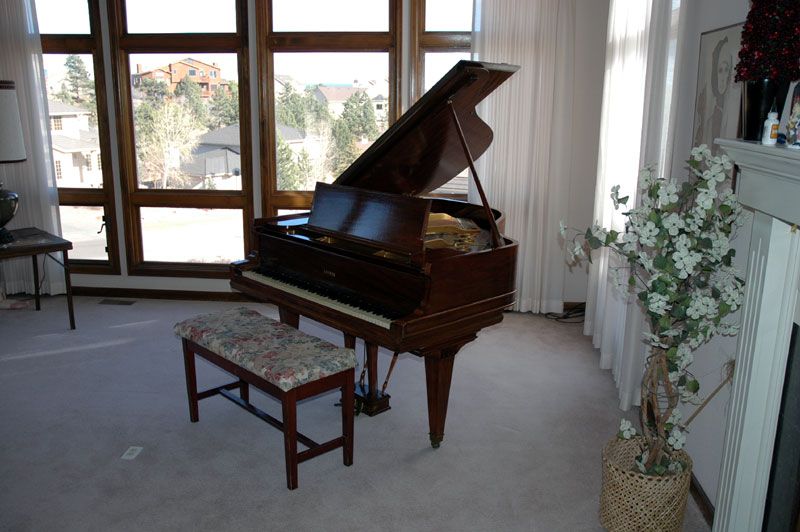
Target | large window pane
(326,15)
(448,15)
(72,104)
(329,107)
(192,235)
(186,121)
(437,64)
(81,226)
(181,16)
(63,16)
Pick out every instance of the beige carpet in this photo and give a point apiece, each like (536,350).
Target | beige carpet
(529,411)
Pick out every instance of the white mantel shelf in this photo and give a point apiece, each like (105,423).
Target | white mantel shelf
(768,184)
(769,178)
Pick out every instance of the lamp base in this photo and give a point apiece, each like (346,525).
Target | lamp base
(5,236)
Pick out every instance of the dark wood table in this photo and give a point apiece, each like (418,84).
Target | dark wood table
(31,241)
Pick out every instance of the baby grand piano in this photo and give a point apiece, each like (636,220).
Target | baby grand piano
(376,260)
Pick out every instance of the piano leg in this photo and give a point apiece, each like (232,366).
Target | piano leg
(438,374)
(288,317)
(371,400)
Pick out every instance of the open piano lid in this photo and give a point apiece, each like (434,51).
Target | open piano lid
(422,151)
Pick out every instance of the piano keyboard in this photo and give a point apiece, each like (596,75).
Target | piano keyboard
(370,317)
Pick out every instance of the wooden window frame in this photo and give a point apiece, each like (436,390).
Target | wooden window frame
(389,42)
(122,45)
(422,41)
(91,43)
(430,41)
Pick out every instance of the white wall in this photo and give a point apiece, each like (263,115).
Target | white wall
(590,57)
(704,443)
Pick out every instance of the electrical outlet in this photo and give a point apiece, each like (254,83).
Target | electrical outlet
(131,453)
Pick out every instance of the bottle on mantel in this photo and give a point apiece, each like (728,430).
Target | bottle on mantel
(770,135)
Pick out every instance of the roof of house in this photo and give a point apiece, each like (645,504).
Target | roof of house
(219,161)
(192,61)
(289,133)
(337,93)
(57,108)
(226,136)
(66,144)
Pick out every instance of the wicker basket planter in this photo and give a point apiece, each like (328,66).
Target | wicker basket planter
(631,501)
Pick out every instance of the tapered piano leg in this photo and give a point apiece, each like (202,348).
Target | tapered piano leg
(438,374)
(288,317)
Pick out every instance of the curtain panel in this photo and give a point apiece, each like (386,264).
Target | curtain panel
(634,131)
(33,179)
(531,115)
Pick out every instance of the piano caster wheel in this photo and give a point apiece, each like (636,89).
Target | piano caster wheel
(435,442)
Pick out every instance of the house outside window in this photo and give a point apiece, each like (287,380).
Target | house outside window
(58,125)
(58,170)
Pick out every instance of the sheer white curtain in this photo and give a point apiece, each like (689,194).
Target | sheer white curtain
(637,99)
(34,179)
(523,171)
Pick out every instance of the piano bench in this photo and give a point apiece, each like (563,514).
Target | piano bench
(279,360)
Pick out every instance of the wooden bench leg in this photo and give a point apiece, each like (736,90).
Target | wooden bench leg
(191,381)
(348,407)
(244,391)
(289,404)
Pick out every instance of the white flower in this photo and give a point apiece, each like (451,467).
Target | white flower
(648,234)
(720,245)
(684,357)
(641,460)
(685,260)
(700,152)
(701,307)
(733,295)
(705,198)
(646,177)
(653,340)
(577,250)
(626,430)
(615,196)
(667,195)
(562,228)
(675,417)
(672,223)
(629,239)
(646,262)
(675,467)
(677,439)
(657,303)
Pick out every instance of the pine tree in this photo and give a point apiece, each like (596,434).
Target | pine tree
(190,94)
(289,177)
(359,115)
(224,107)
(78,87)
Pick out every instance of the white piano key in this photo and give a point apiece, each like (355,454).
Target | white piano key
(333,304)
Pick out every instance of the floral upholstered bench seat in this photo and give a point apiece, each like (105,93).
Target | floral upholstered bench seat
(278,360)
(276,352)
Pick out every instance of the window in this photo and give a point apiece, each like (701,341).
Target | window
(79,128)
(332,91)
(213,73)
(441,35)
(99,162)
(185,160)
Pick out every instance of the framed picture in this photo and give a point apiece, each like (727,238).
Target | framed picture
(718,101)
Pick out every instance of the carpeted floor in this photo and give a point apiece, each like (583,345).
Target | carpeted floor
(529,412)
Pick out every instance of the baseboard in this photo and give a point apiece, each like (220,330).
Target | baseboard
(703,502)
(569,305)
(146,293)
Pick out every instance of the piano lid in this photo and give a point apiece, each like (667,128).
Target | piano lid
(421,151)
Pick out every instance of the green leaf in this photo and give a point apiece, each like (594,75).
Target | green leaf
(611,237)
(631,281)
(594,242)
(661,262)
(724,309)
(623,200)
(665,322)
(693,386)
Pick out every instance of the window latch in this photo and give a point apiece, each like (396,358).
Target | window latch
(102,225)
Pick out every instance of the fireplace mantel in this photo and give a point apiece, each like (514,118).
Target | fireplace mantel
(769,185)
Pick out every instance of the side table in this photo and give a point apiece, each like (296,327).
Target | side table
(31,241)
